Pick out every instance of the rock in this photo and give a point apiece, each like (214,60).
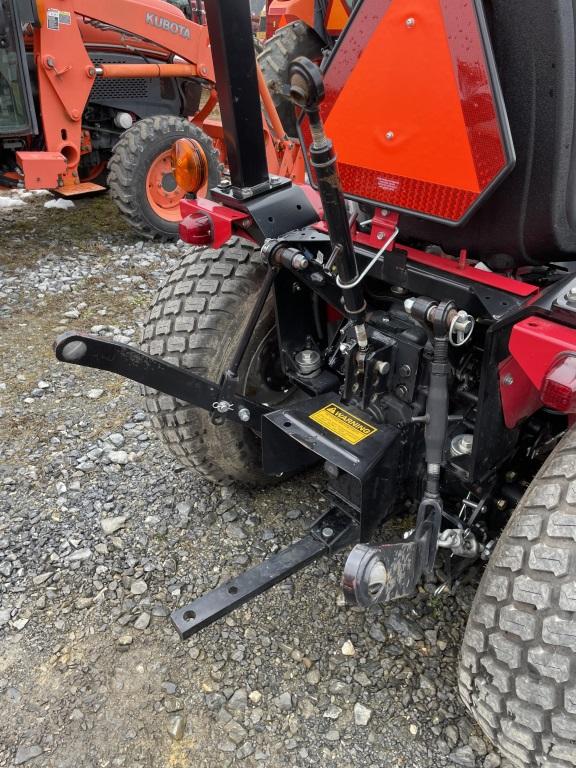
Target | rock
(463,756)
(173,705)
(24,754)
(41,578)
(80,554)
(255,697)
(118,457)
(112,524)
(94,394)
(116,439)
(362,714)
(403,626)
(19,624)
(176,727)
(235,732)
(284,701)
(5,614)
(313,677)
(138,587)
(348,649)
(239,700)
(6,568)
(478,745)
(413,729)
(333,712)
(142,621)
(125,640)
(492,760)
(333,735)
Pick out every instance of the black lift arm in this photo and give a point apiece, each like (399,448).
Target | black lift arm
(94,352)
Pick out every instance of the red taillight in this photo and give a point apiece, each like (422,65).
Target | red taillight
(559,385)
(197,229)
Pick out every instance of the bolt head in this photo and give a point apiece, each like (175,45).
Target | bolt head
(411,22)
(244,414)
(389,135)
(380,236)
(508,380)
(327,533)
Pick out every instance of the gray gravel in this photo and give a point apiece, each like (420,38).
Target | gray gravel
(102,535)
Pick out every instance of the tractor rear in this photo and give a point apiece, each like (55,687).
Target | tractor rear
(408,324)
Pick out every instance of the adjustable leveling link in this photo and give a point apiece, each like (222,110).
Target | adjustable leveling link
(307,92)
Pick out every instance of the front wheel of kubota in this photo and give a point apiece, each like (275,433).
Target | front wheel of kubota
(196,322)
(141,178)
(517,672)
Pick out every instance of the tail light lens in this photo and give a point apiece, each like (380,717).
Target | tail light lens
(197,229)
(559,385)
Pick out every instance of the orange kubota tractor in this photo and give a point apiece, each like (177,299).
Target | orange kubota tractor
(89,88)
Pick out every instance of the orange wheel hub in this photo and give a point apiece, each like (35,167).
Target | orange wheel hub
(163,192)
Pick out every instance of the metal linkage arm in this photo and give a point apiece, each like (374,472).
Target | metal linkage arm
(94,352)
(330,533)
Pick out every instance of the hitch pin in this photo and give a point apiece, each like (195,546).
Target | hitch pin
(222,406)
(373,261)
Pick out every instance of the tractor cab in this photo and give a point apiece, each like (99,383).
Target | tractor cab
(17,113)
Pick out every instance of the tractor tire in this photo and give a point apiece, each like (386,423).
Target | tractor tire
(517,670)
(196,322)
(296,39)
(140,178)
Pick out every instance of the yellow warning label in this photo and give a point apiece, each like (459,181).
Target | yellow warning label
(343,424)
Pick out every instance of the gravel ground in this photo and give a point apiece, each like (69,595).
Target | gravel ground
(102,535)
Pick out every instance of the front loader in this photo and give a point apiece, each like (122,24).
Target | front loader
(95,94)
(407,322)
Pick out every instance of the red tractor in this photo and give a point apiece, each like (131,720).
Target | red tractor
(408,323)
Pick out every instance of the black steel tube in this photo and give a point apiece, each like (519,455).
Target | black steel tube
(232,45)
(323,160)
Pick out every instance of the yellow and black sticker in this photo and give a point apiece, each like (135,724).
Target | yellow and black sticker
(347,426)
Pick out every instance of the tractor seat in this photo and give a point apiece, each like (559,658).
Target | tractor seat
(531,216)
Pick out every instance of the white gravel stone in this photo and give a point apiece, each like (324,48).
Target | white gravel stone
(118,457)
(348,649)
(142,621)
(112,524)
(362,714)
(138,587)
(94,394)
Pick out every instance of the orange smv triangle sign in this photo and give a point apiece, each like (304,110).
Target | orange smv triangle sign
(337,16)
(415,127)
